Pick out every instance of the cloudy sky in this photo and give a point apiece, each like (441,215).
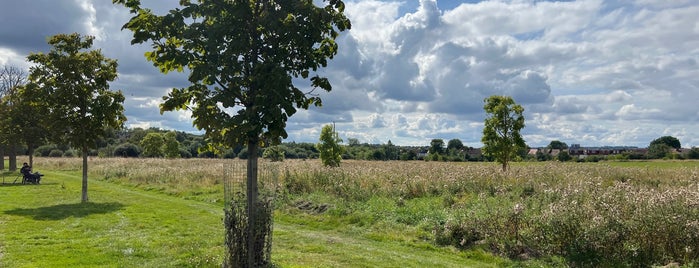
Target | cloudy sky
(591,72)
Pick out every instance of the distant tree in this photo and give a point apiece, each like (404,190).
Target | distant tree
(563,156)
(659,150)
(667,140)
(75,81)
(501,138)
(693,153)
(555,144)
(127,150)
(455,144)
(171,147)
(352,142)
(541,156)
(391,151)
(329,147)
(153,144)
(436,147)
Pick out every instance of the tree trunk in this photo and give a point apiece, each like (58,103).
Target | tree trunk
(252,198)
(2,157)
(30,150)
(84,196)
(12,153)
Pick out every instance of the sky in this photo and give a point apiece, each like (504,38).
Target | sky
(589,72)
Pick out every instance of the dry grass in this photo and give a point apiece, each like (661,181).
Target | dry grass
(591,214)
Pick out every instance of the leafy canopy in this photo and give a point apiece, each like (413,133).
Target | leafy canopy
(242,58)
(75,83)
(501,138)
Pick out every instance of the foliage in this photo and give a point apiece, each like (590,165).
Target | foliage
(659,150)
(171,147)
(501,137)
(556,144)
(12,82)
(329,147)
(563,156)
(693,153)
(436,147)
(667,140)
(75,85)
(127,149)
(153,144)
(274,153)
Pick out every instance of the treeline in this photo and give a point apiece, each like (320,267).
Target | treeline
(155,142)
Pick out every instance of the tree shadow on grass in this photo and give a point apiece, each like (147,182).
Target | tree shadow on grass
(63,211)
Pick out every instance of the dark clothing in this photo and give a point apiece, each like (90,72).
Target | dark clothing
(30,177)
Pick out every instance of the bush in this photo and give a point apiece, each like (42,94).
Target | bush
(127,150)
(55,153)
(70,153)
(45,150)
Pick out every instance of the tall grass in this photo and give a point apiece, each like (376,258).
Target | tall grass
(589,214)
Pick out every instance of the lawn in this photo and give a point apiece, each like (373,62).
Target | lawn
(162,223)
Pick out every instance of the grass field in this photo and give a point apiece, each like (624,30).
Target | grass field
(167,213)
(150,225)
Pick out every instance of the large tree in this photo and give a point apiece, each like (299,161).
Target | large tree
(11,80)
(74,81)
(501,138)
(670,141)
(243,58)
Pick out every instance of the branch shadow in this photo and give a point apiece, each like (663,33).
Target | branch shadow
(63,211)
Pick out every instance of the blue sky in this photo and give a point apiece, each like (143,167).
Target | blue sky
(591,72)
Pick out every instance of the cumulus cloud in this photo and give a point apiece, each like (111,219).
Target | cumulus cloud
(589,71)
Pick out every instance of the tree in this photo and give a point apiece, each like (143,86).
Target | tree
(563,156)
(455,144)
(555,144)
(436,147)
(28,120)
(242,55)
(11,80)
(658,150)
(501,138)
(667,140)
(171,147)
(74,81)
(329,147)
(153,144)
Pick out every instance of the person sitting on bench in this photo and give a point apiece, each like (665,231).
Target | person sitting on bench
(26,171)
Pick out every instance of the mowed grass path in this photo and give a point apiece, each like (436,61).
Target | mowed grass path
(47,226)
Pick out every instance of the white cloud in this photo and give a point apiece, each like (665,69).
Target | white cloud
(589,71)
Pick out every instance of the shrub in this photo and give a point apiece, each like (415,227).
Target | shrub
(70,153)
(127,150)
(55,153)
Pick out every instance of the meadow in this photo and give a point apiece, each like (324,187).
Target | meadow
(149,212)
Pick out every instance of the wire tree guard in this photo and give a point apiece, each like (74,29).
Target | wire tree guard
(236,215)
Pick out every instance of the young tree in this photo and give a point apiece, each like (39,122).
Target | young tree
(11,80)
(329,147)
(501,138)
(28,120)
(74,81)
(243,55)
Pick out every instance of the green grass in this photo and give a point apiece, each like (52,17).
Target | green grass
(122,226)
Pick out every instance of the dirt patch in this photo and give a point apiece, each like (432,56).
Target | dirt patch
(310,207)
